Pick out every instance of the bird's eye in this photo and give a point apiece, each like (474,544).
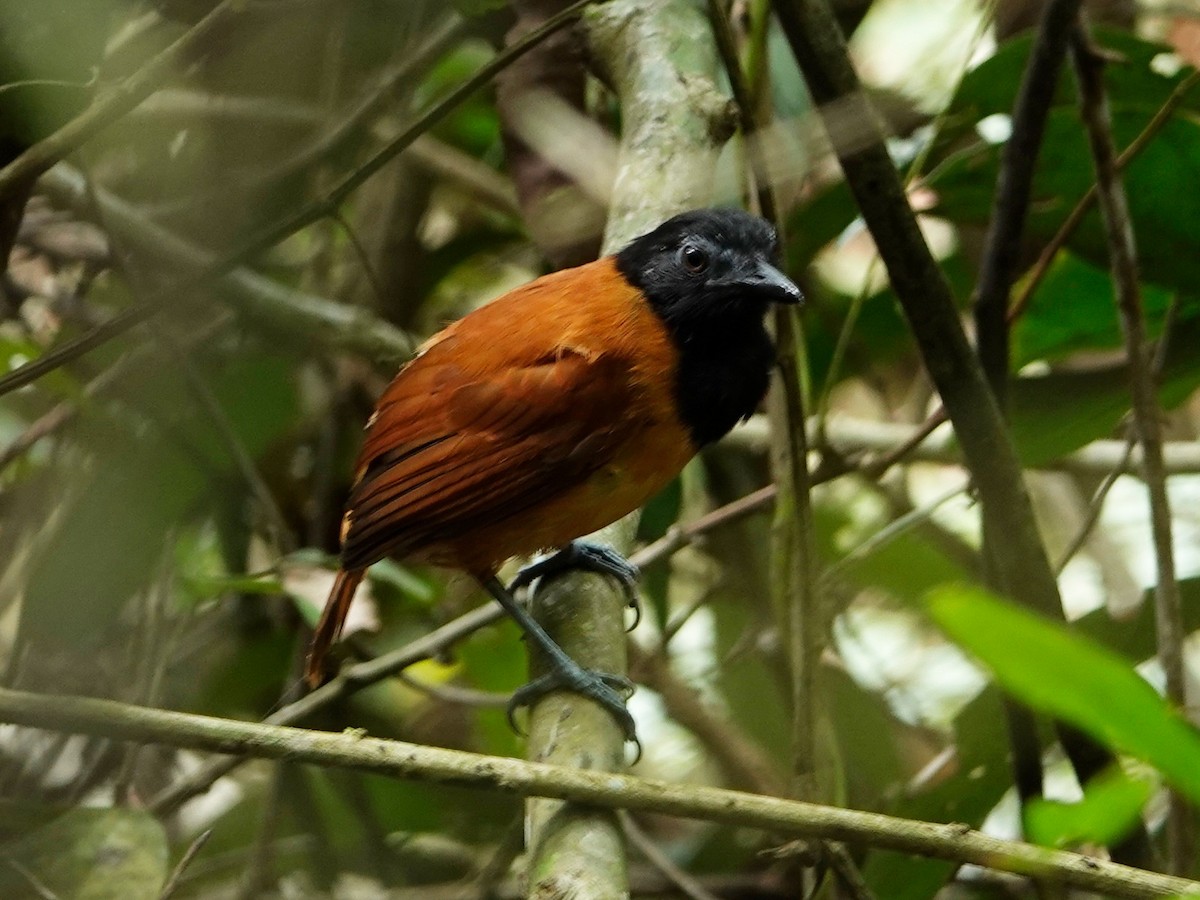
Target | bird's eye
(694,259)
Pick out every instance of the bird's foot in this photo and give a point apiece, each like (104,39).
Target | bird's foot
(588,557)
(603,688)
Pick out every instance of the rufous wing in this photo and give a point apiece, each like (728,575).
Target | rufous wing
(453,448)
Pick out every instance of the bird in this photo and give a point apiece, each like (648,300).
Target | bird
(557,409)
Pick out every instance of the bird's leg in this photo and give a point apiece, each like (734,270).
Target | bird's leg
(565,674)
(591,558)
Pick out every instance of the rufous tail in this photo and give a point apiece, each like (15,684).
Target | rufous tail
(330,625)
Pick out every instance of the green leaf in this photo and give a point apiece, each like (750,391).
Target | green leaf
(1047,667)
(1074,309)
(89,854)
(1111,805)
(1053,414)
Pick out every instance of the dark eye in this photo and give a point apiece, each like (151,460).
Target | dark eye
(694,259)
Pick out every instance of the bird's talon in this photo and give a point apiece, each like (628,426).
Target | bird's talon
(607,690)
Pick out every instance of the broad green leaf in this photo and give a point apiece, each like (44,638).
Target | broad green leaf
(1074,308)
(1053,414)
(1162,205)
(89,854)
(1045,666)
(1111,805)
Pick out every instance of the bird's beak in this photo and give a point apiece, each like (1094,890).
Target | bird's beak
(776,286)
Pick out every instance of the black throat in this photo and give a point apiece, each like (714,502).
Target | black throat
(724,360)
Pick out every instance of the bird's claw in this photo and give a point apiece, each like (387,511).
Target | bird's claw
(591,558)
(607,690)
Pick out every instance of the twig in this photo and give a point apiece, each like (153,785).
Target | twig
(680,536)
(743,763)
(116,101)
(847,872)
(35,883)
(1122,251)
(644,844)
(483,183)
(63,413)
(749,117)
(1095,508)
(397,759)
(184,861)
(452,693)
(1010,204)
(894,442)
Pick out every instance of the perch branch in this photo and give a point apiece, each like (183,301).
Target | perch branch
(397,759)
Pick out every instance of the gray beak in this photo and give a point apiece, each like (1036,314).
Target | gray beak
(777,287)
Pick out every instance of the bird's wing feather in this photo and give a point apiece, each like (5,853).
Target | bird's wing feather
(450,450)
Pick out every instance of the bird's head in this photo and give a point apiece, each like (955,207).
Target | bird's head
(708,266)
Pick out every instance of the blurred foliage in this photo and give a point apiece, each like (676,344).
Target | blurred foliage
(170,504)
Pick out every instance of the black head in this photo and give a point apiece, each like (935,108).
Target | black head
(710,275)
(708,265)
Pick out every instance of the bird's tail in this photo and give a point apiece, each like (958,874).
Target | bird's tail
(330,626)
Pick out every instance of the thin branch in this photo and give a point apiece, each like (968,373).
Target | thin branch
(743,763)
(847,872)
(1122,251)
(184,861)
(397,759)
(114,102)
(1095,508)
(256,296)
(1014,186)
(285,541)
(687,884)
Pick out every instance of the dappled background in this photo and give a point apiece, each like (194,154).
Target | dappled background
(170,501)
